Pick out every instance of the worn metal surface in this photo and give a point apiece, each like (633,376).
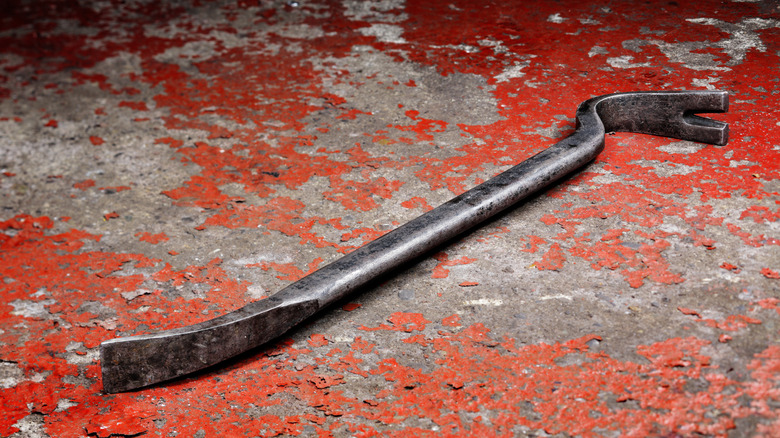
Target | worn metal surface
(163,163)
(137,361)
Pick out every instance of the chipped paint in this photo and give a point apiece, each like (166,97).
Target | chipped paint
(163,164)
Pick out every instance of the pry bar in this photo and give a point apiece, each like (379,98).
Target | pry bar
(137,361)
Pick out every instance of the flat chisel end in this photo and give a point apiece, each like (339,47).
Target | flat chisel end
(136,361)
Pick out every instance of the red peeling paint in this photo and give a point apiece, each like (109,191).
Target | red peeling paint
(770,303)
(552,260)
(761,214)
(440,271)
(352,114)
(357,195)
(111,215)
(424,127)
(451,321)
(686,311)
(130,420)
(258,107)
(532,245)
(513,385)
(318,340)
(154,239)
(732,322)
(293,273)
(95,140)
(768,273)
(84,185)
(494,234)
(417,202)
(138,106)
(405,322)
(350,307)
(729,267)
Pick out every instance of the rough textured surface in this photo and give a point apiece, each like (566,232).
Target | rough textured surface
(161,164)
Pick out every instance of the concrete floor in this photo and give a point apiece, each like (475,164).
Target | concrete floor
(163,164)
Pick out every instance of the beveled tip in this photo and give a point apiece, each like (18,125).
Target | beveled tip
(137,361)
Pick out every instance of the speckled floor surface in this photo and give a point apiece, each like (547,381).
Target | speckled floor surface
(163,163)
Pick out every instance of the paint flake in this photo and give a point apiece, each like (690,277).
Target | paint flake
(154,239)
(255,132)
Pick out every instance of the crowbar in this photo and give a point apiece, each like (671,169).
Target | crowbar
(136,361)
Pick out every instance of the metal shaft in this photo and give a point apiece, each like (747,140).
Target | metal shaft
(137,361)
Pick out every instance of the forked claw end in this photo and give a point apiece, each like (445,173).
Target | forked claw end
(667,114)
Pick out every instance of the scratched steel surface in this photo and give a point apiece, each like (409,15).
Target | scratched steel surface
(164,163)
